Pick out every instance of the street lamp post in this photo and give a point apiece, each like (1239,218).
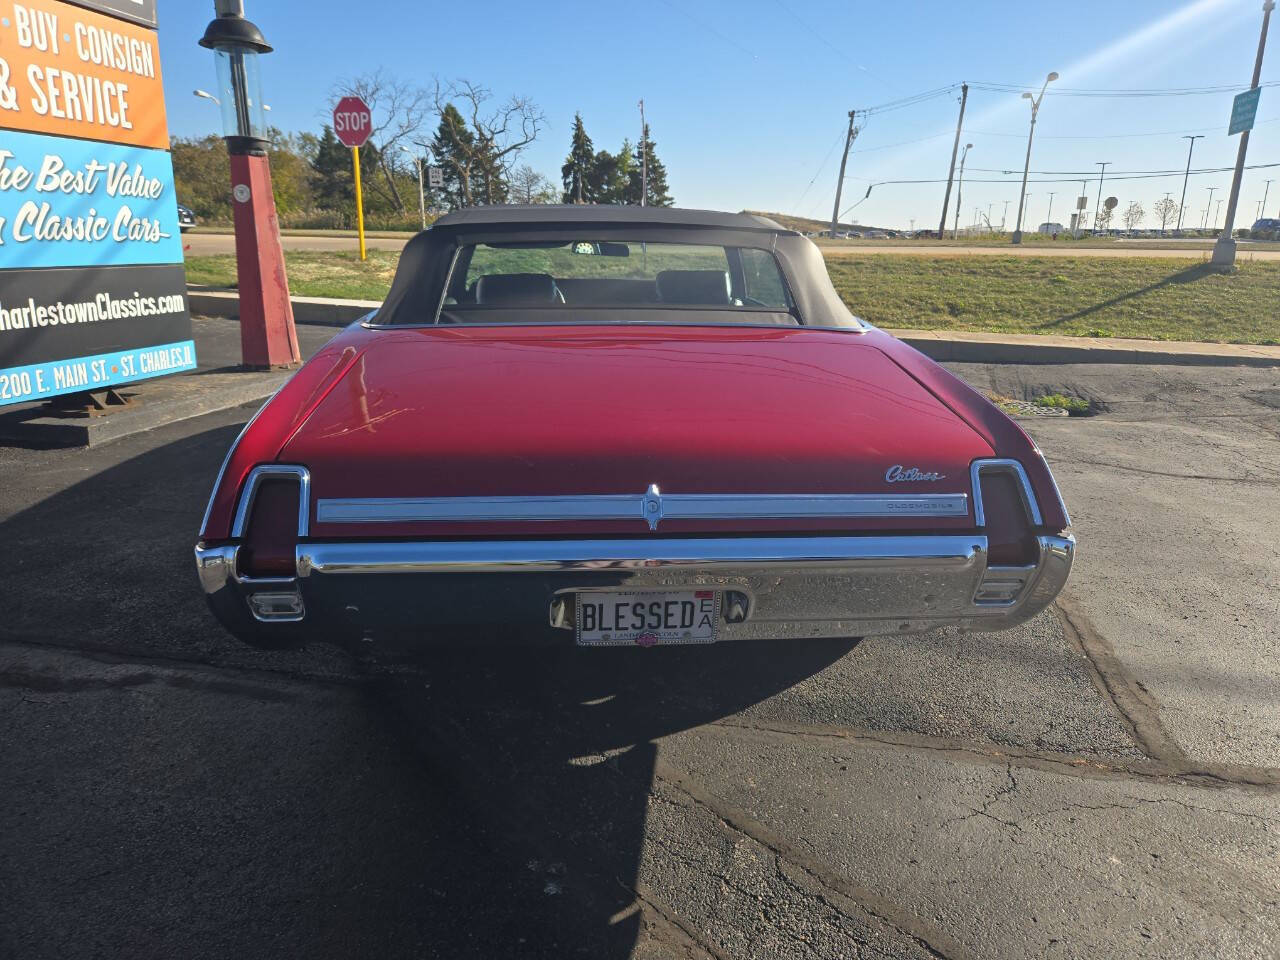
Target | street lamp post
(1186,176)
(955,229)
(267,335)
(1097,207)
(1265,193)
(422,193)
(1048,217)
(1215,222)
(1026,167)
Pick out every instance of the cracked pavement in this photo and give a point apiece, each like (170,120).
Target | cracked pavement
(1102,782)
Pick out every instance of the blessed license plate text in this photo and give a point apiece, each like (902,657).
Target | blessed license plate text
(647,618)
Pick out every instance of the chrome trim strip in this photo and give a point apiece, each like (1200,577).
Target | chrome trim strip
(1012,466)
(599,556)
(254,480)
(652,506)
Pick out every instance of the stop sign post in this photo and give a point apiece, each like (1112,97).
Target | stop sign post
(352,124)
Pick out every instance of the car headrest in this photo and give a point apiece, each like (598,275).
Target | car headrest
(709,287)
(516,288)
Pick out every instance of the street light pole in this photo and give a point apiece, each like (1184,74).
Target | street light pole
(1265,193)
(955,230)
(1186,176)
(268,338)
(1224,250)
(1215,222)
(1026,167)
(1048,217)
(422,193)
(1097,211)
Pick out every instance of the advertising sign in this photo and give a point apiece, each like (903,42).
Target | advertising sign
(92,289)
(139,11)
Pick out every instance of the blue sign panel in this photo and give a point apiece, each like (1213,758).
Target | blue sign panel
(73,203)
(1243,111)
(37,381)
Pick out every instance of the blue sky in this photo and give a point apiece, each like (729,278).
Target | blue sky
(745,98)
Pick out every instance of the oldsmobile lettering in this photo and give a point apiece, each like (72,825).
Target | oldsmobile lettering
(900,474)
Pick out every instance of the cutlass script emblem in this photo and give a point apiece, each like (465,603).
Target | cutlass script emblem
(900,474)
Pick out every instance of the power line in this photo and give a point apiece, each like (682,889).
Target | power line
(1099,92)
(1066,179)
(1112,136)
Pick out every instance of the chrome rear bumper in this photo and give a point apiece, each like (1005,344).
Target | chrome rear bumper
(780,587)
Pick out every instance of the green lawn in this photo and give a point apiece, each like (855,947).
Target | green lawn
(1149,298)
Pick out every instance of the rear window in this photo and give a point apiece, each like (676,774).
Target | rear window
(577,280)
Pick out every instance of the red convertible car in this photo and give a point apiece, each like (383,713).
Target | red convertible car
(624,425)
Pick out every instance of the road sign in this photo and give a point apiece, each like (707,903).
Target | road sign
(1243,110)
(435,177)
(1110,203)
(1082,203)
(352,121)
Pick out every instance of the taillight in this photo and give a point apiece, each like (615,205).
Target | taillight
(1011,540)
(271,534)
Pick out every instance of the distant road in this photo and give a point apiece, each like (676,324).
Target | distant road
(204,244)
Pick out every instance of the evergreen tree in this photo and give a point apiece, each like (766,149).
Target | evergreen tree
(657,195)
(452,148)
(579,166)
(331,178)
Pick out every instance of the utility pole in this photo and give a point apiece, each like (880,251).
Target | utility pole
(955,230)
(844,158)
(1049,216)
(1004,215)
(1191,146)
(946,197)
(1265,193)
(1084,185)
(1217,214)
(1206,219)
(1026,167)
(644,157)
(1224,251)
(1098,206)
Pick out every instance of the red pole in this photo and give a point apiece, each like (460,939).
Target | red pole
(267,335)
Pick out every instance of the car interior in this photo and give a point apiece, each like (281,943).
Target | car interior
(719,295)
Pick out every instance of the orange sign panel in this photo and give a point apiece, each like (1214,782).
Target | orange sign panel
(75,73)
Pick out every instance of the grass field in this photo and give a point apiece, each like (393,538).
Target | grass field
(1157,299)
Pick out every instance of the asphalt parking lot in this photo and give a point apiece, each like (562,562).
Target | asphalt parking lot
(1103,782)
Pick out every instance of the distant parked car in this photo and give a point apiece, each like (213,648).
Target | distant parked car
(186,218)
(1268,228)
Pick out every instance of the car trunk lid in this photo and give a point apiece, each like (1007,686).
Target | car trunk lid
(534,411)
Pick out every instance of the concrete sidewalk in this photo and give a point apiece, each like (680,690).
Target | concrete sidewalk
(939,345)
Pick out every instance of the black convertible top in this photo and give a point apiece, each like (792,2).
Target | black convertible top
(423,273)
(569,215)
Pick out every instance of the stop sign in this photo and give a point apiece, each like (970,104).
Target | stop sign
(352,121)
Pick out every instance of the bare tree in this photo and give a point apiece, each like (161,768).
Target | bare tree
(399,111)
(1166,211)
(529,186)
(1133,215)
(494,134)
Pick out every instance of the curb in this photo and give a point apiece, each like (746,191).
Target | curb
(939,345)
(319,311)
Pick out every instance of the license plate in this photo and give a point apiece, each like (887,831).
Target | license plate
(646,618)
